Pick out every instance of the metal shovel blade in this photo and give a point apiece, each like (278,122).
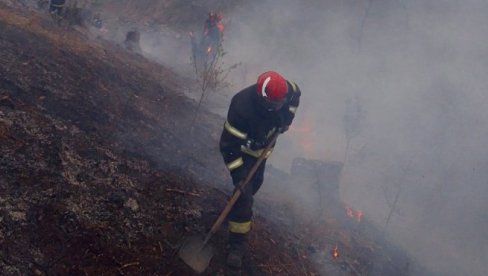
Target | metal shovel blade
(196,254)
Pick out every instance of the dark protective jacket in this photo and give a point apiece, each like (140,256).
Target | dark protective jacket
(214,30)
(247,120)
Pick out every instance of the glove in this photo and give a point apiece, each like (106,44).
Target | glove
(282,122)
(255,145)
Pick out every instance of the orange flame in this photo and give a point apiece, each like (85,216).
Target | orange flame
(356,214)
(335,252)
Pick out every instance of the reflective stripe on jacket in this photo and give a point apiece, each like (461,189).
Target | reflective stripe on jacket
(247,119)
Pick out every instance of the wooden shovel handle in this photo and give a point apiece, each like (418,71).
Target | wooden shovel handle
(240,188)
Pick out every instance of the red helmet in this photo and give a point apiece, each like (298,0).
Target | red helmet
(272,89)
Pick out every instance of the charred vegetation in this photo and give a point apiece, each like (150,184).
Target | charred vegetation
(96,180)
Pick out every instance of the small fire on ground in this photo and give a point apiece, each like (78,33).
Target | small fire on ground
(355,214)
(335,252)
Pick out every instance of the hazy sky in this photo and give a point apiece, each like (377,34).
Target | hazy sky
(419,71)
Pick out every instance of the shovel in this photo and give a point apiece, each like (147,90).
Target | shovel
(195,252)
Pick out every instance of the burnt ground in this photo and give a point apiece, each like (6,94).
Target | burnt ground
(104,172)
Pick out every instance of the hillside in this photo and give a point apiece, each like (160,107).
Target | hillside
(104,171)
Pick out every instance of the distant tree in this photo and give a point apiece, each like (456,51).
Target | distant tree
(363,23)
(365,17)
(393,205)
(211,73)
(353,120)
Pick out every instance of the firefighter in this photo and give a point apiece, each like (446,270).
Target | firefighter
(254,114)
(213,32)
(206,47)
(214,28)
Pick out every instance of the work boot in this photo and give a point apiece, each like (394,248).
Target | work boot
(237,249)
(234,259)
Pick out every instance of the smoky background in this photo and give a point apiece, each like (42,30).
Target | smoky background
(416,73)
(396,90)
(413,74)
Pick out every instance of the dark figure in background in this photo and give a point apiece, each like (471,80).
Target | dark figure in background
(213,33)
(132,40)
(56,7)
(255,113)
(205,51)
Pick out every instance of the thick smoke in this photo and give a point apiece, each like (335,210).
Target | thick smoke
(418,71)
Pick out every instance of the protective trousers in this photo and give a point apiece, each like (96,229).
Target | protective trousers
(241,213)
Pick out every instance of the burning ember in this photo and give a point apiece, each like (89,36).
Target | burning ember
(209,50)
(335,252)
(356,214)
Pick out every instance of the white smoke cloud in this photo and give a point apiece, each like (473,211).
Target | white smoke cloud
(419,68)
